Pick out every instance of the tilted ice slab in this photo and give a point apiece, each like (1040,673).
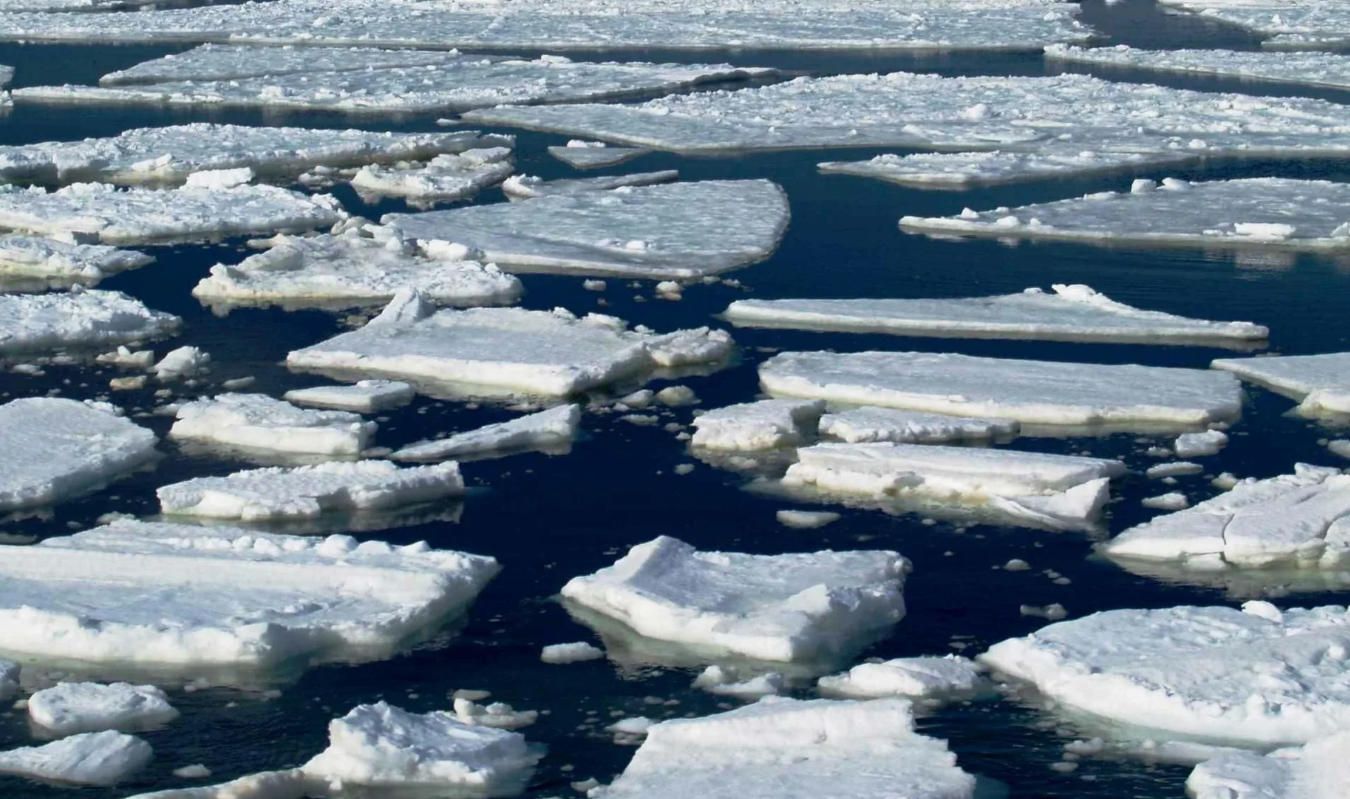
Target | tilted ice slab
(1289,24)
(1321,70)
(1299,520)
(142,216)
(1318,382)
(1070,313)
(258,422)
(1317,770)
(1256,676)
(9,679)
(525,187)
(678,230)
(305,492)
(914,677)
(56,449)
(357,267)
(367,396)
(766,424)
(69,708)
(445,178)
(1025,391)
(55,259)
(32,323)
(1275,213)
(508,350)
(800,607)
(868,424)
(593,155)
(169,594)
(289,784)
(94,758)
(794,750)
(553,428)
(1055,491)
(964,170)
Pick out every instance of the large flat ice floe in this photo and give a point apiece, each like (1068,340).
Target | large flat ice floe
(766,424)
(1320,70)
(800,607)
(1000,167)
(869,425)
(507,350)
(1317,770)
(64,261)
(1067,313)
(93,758)
(57,449)
(548,430)
(77,320)
(1256,676)
(1275,213)
(69,708)
(257,422)
(1288,24)
(443,179)
(1317,382)
(659,232)
(1054,491)
(794,749)
(169,595)
(1043,392)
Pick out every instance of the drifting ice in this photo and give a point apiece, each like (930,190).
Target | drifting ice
(867,425)
(1317,70)
(766,424)
(1284,24)
(964,170)
(445,178)
(70,708)
(913,677)
(54,259)
(593,155)
(94,758)
(367,396)
(31,323)
(553,428)
(258,422)
(1316,770)
(1318,382)
(527,188)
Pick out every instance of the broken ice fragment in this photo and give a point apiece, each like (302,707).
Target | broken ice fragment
(1316,770)
(965,170)
(546,430)
(524,187)
(767,424)
(70,708)
(367,396)
(593,155)
(258,422)
(1309,69)
(93,758)
(912,677)
(870,424)
(78,319)
(445,178)
(1317,381)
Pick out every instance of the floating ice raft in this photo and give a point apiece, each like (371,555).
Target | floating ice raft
(367,396)
(868,424)
(1041,392)
(94,758)
(70,708)
(580,154)
(1277,213)
(766,424)
(256,422)
(1286,24)
(1319,70)
(546,430)
(65,261)
(445,178)
(219,62)
(801,607)
(77,320)
(1001,167)
(524,187)
(1070,313)
(660,232)
(1318,382)
(1316,770)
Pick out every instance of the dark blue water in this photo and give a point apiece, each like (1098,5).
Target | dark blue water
(550,518)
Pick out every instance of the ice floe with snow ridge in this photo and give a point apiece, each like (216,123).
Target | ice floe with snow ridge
(1318,382)
(76,320)
(1000,167)
(1309,69)
(257,422)
(549,431)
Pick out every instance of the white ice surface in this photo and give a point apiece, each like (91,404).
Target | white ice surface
(95,758)
(676,230)
(445,178)
(1066,313)
(964,170)
(796,607)
(1173,500)
(31,323)
(217,62)
(577,652)
(1289,24)
(593,155)
(1318,382)
(69,708)
(766,424)
(367,396)
(805,519)
(555,427)
(1194,445)
(263,785)
(1025,391)
(1317,770)
(912,677)
(46,258)
(260,423)
(525,187)
(869,424)
(1312,69)
(182,362)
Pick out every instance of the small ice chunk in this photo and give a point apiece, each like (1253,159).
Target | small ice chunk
(595,155)
(806,519)
(676,396)
(570,653)
(446,178)
(180,363)
(123,357)
(1002,167)
(1173,469)
(1051,612)
(9,680)
(70,708)
(633,725)
(767,424)
(196,771)
(913,677)
(366,396)
(258,422)
(1173,500)
(545,430)
(77,320)
(1317,770)
(593,285)
(722,681)
(220,178)
(868,424)
(1309,69)
(94,758)
(1195,445)
(497,714)
(524,187)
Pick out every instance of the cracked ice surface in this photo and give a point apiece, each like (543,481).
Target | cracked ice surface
(1322,70)
(1317,770)
(676,230)
(963,170)
(1289,24)
(1256,676)
(1318,382)
(80,319)
(1275,213)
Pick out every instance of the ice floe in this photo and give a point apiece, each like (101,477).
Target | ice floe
(445,178)
(913,677)
(525,187)
(766,424)
(9,679)
(964,170)
(1316,770)
(218,62)
(93,758)
(805,519)
(1318,382)
(290,784)
(257,422)
(76,320)
(1173,500)
(1066,313)
(183,362)
(1320,70)
(593,155)
(558,654)
(798,607)
(868,424)
(548,430)
(75,707)
(42,258)
(1277,213)
(1288,24)
(648,231)
(1042,392)
(721,681)
(367,396)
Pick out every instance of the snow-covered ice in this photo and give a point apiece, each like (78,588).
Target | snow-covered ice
(660,232)
(9,679)
(1173,469)
(721,681)
(577,652)
(54,259)
(217,62)
(497,714)
(290,784)
(36,323)
(796,607)
(1317,770)
(546,430)
(766,424)
(913,677)
(69,708)
(1318,382)
(1309,69)
(525,187)
(258,422)
(1045,392)
(594,155)
(366,396)
(1173,500)
(93,758)
(445,178)
(1287,24)
(180,363)
(868,424)
(1000,167)
(1066,313)
(1194,445)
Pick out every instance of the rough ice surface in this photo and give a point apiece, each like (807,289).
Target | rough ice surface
(1316,770)
(1318,382)
(1056,491)
(729,682)
(1000,167)
(794,750)
(217,62)
(507,350)
(1278,213)
(1321,70)
(1257,676)
(367,396)
(260,423)
(445,178)
(1066,313)
(1044,392)
(142,216)
(54,259)
(36,323)
(1289,24)
(658,232)
(545,430)
(305,492)
(797,607)
(361,266)
(570,653)
(75,707)
(766,424)
(868,424)
(1173,500)
(1194,445)
(525,187)
(594,155)
(913,677)
(289,784)
(93,758)
(167,594)
(57,449)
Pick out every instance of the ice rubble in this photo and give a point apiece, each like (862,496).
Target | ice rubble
(1318,382)
(363,265)
(594,155)
(1319,70)
(75,707)
(1276,213)
(1056,491)
(868,424)
(660,232)
(508,350)
(261,423)
(35,323)
(142,216)
(1288,24)
(367,396)
(168,594)
(93,758)
(553,428)
(913,677)
(56,449)
(999,167)
(794,749)
(1025,391)
(798,607)
(55,259)
(1067,313)
(445,178)
(1316,770)
(525,187)
(305,492)
(766,424)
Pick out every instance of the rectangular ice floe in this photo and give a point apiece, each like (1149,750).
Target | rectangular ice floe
(64,261)
(799,607)
(679,230)
(445,178)
(791,748)
(1276,213)
(367,396)
(1288,24)
(1056,491)
(1318,382)
(259,423)
(1068,313)
(1043,392)
(868,424)
(964,170)
(547,430)
(75,320)
(1257,676)
(56,449)
(507,350)
(1317,770)
(766,424)
(69,708)
(153,593)
(1320,70)
(525,187)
